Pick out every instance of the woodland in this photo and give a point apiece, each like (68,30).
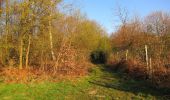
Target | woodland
(50,50)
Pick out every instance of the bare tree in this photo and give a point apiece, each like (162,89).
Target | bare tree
(157,22)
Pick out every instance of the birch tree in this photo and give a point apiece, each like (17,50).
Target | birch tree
(50,31)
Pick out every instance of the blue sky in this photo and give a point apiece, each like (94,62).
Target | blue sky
(103,11)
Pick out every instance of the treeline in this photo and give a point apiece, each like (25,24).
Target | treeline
(141,46)
(36,34)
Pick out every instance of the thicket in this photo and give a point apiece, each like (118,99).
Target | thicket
(38,39)
(141,48)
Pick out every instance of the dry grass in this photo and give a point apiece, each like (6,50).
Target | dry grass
(15,75)
(160,76)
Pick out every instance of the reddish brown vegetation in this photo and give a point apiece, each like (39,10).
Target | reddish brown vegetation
(135,69)
(46,43)
(141,48)
(15,75)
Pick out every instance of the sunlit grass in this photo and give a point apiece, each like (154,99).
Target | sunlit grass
(100,84)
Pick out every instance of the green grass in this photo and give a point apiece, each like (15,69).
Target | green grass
(101,84)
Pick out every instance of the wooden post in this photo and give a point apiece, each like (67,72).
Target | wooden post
(150,68)
(127,51)
(146,54)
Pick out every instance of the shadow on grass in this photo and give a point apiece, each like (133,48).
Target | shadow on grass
(120,81)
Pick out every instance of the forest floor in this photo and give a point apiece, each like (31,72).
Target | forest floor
(100,84)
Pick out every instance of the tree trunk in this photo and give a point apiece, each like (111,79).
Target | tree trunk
(51,42)
(50,34)
(27,54)
(41,60)
(7,25)
(21,53)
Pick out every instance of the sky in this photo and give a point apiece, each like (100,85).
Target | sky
(104,11)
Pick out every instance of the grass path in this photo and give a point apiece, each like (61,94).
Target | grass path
(101,84)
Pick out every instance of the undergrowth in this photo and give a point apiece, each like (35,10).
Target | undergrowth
(100,84)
